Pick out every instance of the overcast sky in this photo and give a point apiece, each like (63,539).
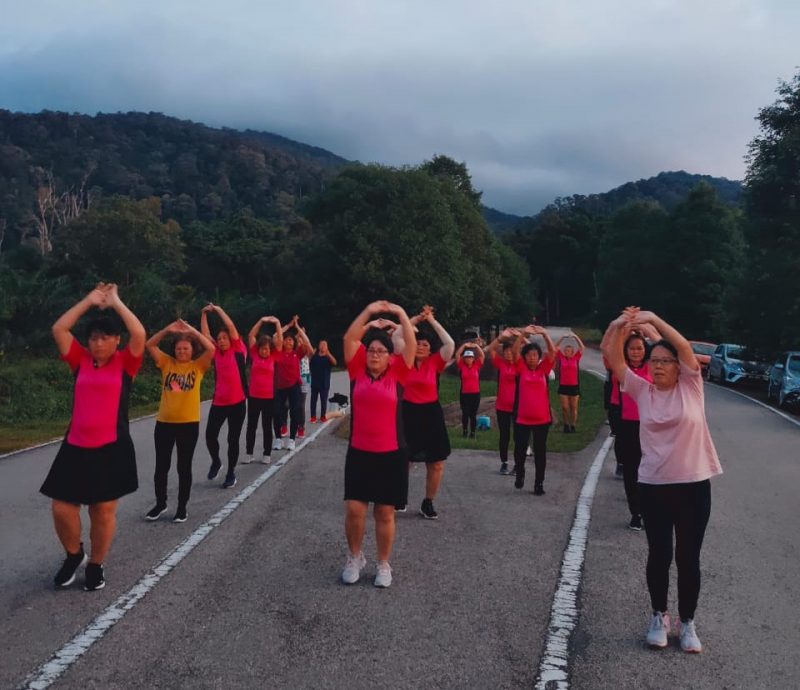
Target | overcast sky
(540,99)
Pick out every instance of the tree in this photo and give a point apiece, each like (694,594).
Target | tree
(767,309)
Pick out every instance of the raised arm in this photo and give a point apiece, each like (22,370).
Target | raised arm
(357,329)
(137,334)
(62,328)
(613,345)
(550,351)
(152,343)
(204,329)
(409,338)
(302,336)
(208,345)
(252,335)
(581,346)
(448,344)
(234,334)
(685,353)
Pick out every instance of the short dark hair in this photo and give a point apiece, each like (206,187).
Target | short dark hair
(381,336)
(532,346)
(264,339)
(630,339)
(666,344)
(103,324)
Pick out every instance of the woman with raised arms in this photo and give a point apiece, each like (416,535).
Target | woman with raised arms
(506,366)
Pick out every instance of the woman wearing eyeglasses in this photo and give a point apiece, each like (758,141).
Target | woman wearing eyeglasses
(375,466)
(678,459)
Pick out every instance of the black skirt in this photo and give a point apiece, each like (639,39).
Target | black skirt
(569,390)
(378,478)
(426,432)
(85,476)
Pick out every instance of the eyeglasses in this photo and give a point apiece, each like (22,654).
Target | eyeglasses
(658,362)
(377,352)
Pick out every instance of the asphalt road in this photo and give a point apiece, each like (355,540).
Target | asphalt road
(258,603)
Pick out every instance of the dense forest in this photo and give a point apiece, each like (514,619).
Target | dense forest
(179,213)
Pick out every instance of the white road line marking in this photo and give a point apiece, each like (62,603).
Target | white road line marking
(553,668)
(47,674)
(757,402)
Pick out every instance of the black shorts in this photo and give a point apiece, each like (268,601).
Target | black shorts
(86,476)
(569,390)
(426,432)
(375,477)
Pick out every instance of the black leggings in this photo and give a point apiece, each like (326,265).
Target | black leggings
(259,407)
(629,452)
(322,394)
(217,416)
(293,397)
(683,509)
(504,427)
(184,437)
(522,435)
(469,410)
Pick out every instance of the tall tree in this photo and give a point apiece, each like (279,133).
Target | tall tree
(768,306)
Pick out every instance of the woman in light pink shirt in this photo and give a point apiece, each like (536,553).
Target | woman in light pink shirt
(678,459)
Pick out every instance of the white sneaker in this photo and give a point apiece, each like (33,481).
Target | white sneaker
(247,459)
(290,444)
(352,568)
(690,642)
(277,444)
(659,627)
(383,576)
(266,459)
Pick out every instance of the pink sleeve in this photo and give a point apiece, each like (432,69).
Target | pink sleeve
(238,346)
(75,354)
(356,365)
(252,351)
(438,362)
(692,378)
(545,366)
(131,364)
(634,385)
(578,355)
(400,368)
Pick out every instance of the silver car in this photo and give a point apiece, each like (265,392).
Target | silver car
(735,364)
(784,377)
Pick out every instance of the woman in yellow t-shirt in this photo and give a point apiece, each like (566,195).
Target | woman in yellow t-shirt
(178,419)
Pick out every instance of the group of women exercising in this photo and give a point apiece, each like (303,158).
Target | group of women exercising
(393,362)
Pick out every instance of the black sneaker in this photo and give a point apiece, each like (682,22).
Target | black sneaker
(636,523)
(94,577)
(566,428)
(572,428)
(538,490)
(214,470)
(401,509)
(156,511)
(66,575)
(230,481)
(180,514)
(519,482)
(503,468)
(427,510)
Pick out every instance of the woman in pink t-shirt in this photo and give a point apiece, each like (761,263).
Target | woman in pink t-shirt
(376,455)
(469,359)
(532,413)
(423,417)
(678,459)
(96,463)
(506,367)
(230,391)
(569,384)
(263,352)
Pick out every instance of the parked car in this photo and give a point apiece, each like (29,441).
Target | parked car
(702,352)
(784,378)
(735,364)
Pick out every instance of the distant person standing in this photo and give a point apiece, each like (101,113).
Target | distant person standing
(506,366)
(178,418)
(533,418)
(96,463)
(288,384)
(569,384)
(230,391)
(263,352)
(375,466)
(321,364)
(678,460)
(469,360)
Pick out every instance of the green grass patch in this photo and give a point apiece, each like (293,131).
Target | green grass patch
(591,415)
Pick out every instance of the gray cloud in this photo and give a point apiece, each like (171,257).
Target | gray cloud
(539,102)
